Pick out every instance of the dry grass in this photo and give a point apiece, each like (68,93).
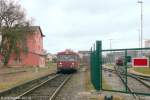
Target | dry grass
(109,65)
(118,98)
(9,78)
(105,85)
(87,81)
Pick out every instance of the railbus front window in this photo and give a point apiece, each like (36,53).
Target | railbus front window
(67,58)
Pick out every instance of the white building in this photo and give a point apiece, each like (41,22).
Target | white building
(84,56)
(49,57)
(147,43)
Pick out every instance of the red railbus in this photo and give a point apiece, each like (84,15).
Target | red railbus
(67,61)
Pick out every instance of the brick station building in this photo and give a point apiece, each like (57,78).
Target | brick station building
(35,55)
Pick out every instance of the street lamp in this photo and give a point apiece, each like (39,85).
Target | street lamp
(141,27)
(110,40)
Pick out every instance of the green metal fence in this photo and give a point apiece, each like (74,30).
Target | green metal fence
(96,66)
(103,59)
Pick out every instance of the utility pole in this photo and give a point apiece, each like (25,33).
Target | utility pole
(111,53)
(141,27)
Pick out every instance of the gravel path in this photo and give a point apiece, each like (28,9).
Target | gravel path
(75,89)
(113,80)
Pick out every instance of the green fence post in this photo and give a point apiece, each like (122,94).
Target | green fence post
(97,66)
(95,69)
(100,62)
(91,64)
(99,51)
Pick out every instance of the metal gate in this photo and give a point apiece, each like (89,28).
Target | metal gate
(120,70)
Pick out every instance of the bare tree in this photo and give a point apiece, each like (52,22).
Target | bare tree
(14,30)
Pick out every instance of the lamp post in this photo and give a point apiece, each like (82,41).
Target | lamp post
(141,26)
(110,40)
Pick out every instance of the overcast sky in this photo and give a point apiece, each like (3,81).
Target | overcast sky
(77,24)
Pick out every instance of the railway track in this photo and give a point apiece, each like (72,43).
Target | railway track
(141,77)
(17,90)
(125,83)
(46,90)
(136,83)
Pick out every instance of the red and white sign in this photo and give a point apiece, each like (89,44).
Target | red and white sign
(140,62)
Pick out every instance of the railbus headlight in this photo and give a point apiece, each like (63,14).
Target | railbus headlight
(60,64)
(72,64)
